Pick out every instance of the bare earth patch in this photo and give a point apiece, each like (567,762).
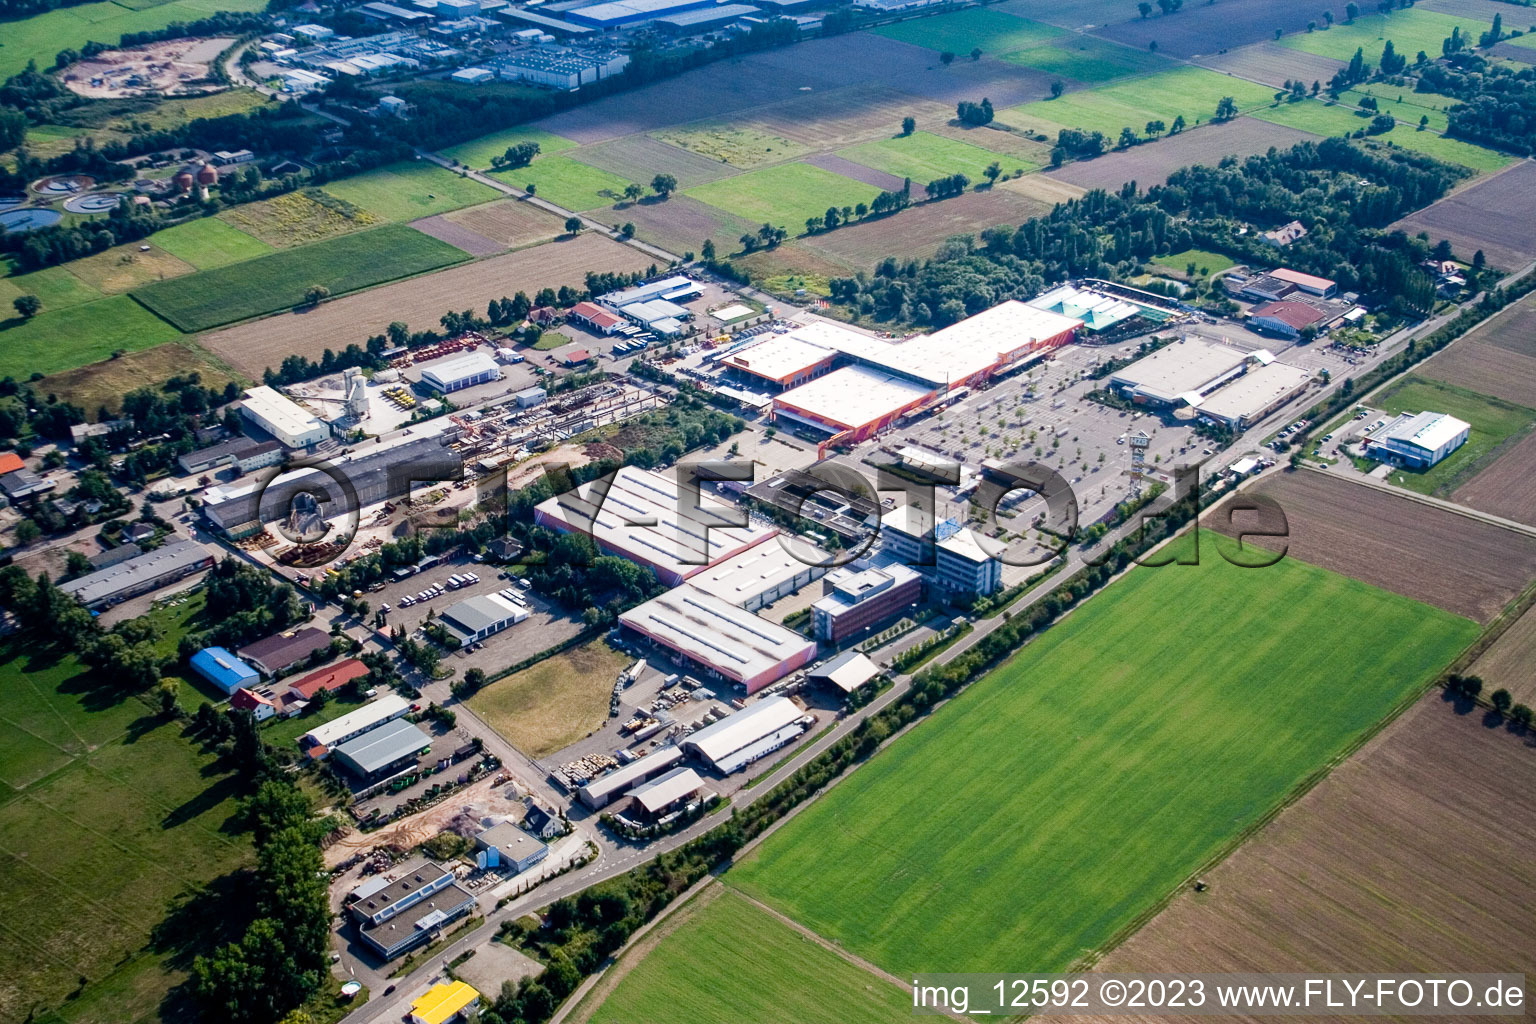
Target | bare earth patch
(1272,64)
(509,221)
(1413,855)
(919,231)
(253,347)
(1152,162)
(1508,662)
(445,230)
(1432,555)
(1507,488)
(1494,215)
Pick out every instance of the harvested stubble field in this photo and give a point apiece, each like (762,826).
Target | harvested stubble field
(1494,215)
(639,158)
(730,143)
(343,264)
(1390,541)
(510,222)
(251,348)
(1498,359)
(1413,855)
(123,268)
(723,958)
(917,232)
(105,383)
(1272,64)
(1506,488)
(1150,164)
(555,703)
(1507,663)
(828,120)
(458,236)
(681,224)
(1137,701)
(298,218)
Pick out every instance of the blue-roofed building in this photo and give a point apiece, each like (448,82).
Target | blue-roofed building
(224,670)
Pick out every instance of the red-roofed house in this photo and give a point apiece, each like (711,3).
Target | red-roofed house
(1286,319)
(596,317)
(332,677)
(10,462)
(576,357)
(249,700)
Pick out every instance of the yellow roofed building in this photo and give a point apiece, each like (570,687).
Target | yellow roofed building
(443,1003)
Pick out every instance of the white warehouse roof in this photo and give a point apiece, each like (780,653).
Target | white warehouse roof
(853,396)
(667,789)
(365,717)
(1255,391)
(281,413)
(1187,366)
(1426,430)
(600,791)
(779,357)
(716,743)
(472,364)
(761,569)
(734,642)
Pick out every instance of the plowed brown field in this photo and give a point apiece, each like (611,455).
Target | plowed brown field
(1435,556)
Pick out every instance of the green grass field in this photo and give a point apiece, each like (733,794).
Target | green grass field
(1205,262)
(477,153)
(41,36)
(1322,119)
(56,286)
(406,191)
(568,183)
(1063,795)
(1188,92)
(728,960)
(995,32)
(76,335)
(1493,422)
(278,281)
(1408,110)
(784,195)
(1087,59)
(208,243)
(107,813)
(923,157)
(1410,31)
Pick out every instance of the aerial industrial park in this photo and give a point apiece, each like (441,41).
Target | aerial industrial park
(686,512)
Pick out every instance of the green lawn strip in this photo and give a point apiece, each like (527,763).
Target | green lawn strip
(727,961)
(1205,262)
(56,286)
(87,333)
(1115,755)
(923,157)
(41,36)
(1192,93)
(1410,31)
(567,183)
(1493,422)
(208,243)
(1324,119)
(1087,59)
(993,32)
(477,153)
(406,191)
(784,195)
(278,281)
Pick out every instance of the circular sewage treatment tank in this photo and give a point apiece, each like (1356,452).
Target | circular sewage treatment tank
(63,185)
(29,220)
(95,202)
(11,202)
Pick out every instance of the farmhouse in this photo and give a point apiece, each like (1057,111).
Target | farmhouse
(462,372)
(259,705)
(641,516)
(1176,372)
(1417,440)
(282,418)
(330,678)
(737,740)
(158,568)
(1285,234)
(722,640)
(598,793)
(1254,395)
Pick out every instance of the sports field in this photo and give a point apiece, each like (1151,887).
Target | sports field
(726,959)
(477,153)
(923,157)
(1205,262)
(40,37)
(1086,59)
(279,281)
(95,787)
(568,183)
(994,32)
(1410,31)
(209,243)
(1192,93)
(556,702)
(1493,422)
(76,335)
(784,195)
(1060,797)
(406,191)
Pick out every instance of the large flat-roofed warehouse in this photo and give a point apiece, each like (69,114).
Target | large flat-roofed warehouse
(980,346)
(763,573)
(1178,372)
(139,575)
(737,740)
(383,751)
(706,18)
(786,360)
(1255,394)
(640,516)
(282,418)
(397,912)
(320,740)
(598,793)
(856,400)
(1417,439)
(464,372)
(724,641)
(666,792)
(476,618)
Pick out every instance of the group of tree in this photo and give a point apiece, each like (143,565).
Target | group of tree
(766,237)
(250,604)
(1166,6)
(1498,102)
(520,155)
(974,114)
(947,187)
